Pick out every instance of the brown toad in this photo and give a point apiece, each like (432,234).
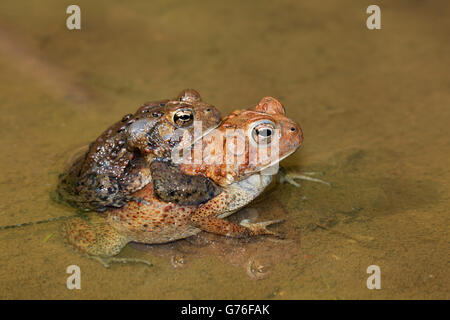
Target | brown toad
(117,162)
(159,221)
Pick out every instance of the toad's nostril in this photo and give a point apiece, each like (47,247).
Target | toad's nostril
(293,129)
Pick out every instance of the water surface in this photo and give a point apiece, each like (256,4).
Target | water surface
(373,105)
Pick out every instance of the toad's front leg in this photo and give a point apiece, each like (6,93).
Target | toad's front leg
(216,225)
(209,217)
(290,177)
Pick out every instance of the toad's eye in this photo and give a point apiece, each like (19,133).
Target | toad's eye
(183,118)
(262,133)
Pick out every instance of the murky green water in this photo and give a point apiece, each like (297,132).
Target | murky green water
(374,107)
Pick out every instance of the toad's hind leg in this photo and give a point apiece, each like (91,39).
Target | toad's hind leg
(96,238)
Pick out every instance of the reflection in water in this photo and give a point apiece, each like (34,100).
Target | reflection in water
(255,256)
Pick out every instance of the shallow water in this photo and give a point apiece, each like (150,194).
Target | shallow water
(374,107)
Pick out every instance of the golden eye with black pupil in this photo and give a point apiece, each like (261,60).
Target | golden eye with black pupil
(183,118)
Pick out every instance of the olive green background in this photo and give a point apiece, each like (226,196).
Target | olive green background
(373,105)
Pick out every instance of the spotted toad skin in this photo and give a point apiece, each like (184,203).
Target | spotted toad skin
(117,162)
(158,221)
(170,184)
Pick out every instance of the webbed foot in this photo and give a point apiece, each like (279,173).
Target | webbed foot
(260,228)
(290,177)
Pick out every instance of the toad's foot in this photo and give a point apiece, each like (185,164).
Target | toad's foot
(259,228)
(290,177)
(226,228)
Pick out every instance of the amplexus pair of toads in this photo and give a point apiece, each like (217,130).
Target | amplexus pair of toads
(153,179)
